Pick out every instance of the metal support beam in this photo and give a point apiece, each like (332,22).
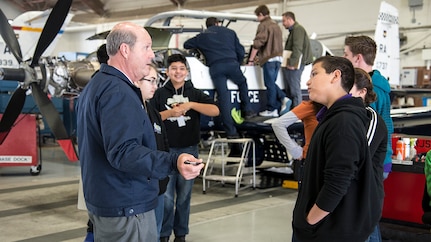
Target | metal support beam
(96,5)
(209,5)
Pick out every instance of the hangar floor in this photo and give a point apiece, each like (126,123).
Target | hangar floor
(43,207)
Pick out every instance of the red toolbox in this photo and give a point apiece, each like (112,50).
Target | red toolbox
(20,148)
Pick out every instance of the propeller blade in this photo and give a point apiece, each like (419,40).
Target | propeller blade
(51,28)
(11,113)
(68,146)
(49,112)
(9,37)
(54,121)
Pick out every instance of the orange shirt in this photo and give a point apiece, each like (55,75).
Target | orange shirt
(305,112)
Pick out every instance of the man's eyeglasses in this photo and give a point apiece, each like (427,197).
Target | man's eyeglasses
(153,81)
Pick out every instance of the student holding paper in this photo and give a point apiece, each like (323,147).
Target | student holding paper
(297,54)
(180,104)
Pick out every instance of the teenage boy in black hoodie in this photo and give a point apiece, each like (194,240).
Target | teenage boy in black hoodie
(339,198)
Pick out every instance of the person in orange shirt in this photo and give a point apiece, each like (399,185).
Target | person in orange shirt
(306,112)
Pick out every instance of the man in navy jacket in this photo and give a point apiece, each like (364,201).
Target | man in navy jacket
(120,162)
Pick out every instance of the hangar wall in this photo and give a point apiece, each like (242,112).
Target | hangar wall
(334,19)
(331,20)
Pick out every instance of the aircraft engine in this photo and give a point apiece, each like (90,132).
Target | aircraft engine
(69,78)
(81,73)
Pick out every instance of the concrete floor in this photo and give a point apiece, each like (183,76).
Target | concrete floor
(43,207)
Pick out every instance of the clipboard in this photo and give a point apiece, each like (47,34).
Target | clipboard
(286,57)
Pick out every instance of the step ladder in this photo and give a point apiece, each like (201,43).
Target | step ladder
(218,163)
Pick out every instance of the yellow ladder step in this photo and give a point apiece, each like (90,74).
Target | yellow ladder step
(290,184)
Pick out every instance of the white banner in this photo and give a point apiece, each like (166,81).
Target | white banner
(388,43)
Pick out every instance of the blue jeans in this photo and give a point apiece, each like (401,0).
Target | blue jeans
(375,235)
(177,219)
(385,175)
(292,84)
(220,73)
(274,94)
(159,211)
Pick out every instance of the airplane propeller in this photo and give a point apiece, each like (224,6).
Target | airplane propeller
(32,76)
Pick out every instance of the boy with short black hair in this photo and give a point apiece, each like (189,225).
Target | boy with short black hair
(180,105)
(339,196)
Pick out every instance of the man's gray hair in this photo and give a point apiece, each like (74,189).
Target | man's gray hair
(117,37)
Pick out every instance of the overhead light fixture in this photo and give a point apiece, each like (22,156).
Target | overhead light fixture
(415,4)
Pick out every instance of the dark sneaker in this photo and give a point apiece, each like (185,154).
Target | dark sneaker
(250,114)
(233,136)
(180,239)
(164,239)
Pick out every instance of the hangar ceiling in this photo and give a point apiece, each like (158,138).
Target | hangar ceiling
(102,11)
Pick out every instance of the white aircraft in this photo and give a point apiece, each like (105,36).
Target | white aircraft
(199,72)
(387,58)
(387,61)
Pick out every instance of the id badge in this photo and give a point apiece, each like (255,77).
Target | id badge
(181,121)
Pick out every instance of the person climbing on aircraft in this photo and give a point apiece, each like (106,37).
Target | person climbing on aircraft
(224,55)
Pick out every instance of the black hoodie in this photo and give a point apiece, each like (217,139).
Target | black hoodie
(189,134)
(161,138)
(339,178)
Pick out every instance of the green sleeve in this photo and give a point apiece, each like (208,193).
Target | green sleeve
(428,172)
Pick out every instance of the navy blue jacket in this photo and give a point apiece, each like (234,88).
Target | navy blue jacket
(120,163)
(217,44)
